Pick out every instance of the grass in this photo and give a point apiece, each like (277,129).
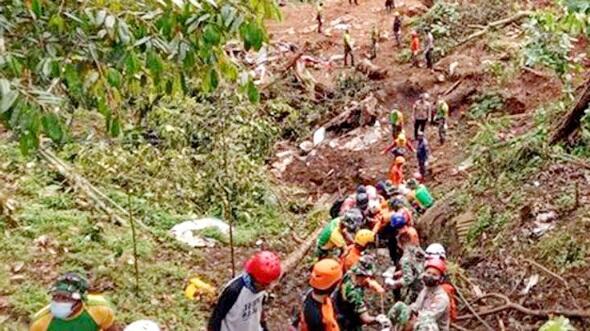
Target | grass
(78,238)
(562,250)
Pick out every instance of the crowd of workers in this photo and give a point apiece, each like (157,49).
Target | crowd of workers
(346,268)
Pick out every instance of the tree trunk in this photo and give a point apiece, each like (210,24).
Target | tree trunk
(572,121)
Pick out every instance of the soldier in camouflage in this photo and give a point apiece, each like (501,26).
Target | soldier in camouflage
(351,307)
(411,263)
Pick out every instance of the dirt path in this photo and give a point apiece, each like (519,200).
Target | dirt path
(333,170)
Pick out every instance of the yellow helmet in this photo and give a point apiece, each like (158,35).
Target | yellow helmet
(364,237)
(400,160)
(401,139)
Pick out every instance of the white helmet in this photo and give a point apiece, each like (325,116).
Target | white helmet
(371,191)
(436,250)
(143,325)
(373,206)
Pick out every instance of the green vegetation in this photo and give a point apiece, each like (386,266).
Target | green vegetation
(562,250)
(486,104)
(116,57)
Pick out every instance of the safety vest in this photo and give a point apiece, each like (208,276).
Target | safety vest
(351,257)
(451,292)
(328,317)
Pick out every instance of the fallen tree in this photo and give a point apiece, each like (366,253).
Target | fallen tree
(572,121)
(100,200)
(372,71)
(496,24)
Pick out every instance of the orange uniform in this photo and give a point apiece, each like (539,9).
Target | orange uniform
(350,257)
(396,174)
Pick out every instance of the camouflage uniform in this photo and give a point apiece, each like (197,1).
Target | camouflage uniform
(350,299)
(412,266)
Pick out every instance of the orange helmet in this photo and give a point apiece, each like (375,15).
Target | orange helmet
(410,233)
(325,274)
(400,160)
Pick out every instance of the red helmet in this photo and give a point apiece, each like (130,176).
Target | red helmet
(436,263)
(264,267)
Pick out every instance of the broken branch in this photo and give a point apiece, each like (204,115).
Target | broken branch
(496,24)
(509,305)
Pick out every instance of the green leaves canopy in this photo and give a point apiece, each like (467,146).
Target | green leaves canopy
(56,56)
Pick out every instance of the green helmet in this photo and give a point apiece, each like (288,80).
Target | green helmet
(72,283)
(365,266)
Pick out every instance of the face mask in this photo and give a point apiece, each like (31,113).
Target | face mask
(430,281)
(61,310)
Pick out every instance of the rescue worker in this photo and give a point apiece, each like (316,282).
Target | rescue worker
(385,189)
(415,48)
(375,219)
(354,252)
(337,234)
(430,311)
(422,153)
(411,265)
(419,196)
(319,17)
(437,251)
(374,41)
(389,5)
(396,119)
(318,310)
(399,145)
(350,2)
(351,307)
(429,50)
(440,118)
(397,28)
(239,307)
(396,171)
(421,113)
(72,308)
(397,221)
(348,44)
(397,205)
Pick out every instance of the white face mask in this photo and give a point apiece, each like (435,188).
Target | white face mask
(61,310)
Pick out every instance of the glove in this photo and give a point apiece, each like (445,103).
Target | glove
(389,272)
(383,320)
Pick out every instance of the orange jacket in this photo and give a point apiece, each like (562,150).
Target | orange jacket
(451,292)
(396,174)
(350,257)
(415,45)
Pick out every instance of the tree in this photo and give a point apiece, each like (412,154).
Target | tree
(549,43)
(117,57)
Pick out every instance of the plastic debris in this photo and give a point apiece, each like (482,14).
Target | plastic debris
(143,325)
(185,231)
(198,288)
(319,135)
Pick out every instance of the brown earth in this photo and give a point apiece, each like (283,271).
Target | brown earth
(330,169)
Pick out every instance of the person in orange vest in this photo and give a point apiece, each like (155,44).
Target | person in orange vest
(430,310)
(437,251)
(354,252)
(317,313)
(415,47)
(396,172)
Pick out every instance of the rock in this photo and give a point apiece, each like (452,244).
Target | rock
(441,78)
(306,146)
(546,217)
(541,228)
(281,165)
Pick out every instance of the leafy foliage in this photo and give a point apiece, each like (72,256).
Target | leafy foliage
(114,56)
(557,324)
(550,35)
(485,104)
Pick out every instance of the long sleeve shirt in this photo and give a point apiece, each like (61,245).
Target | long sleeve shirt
(432,306)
